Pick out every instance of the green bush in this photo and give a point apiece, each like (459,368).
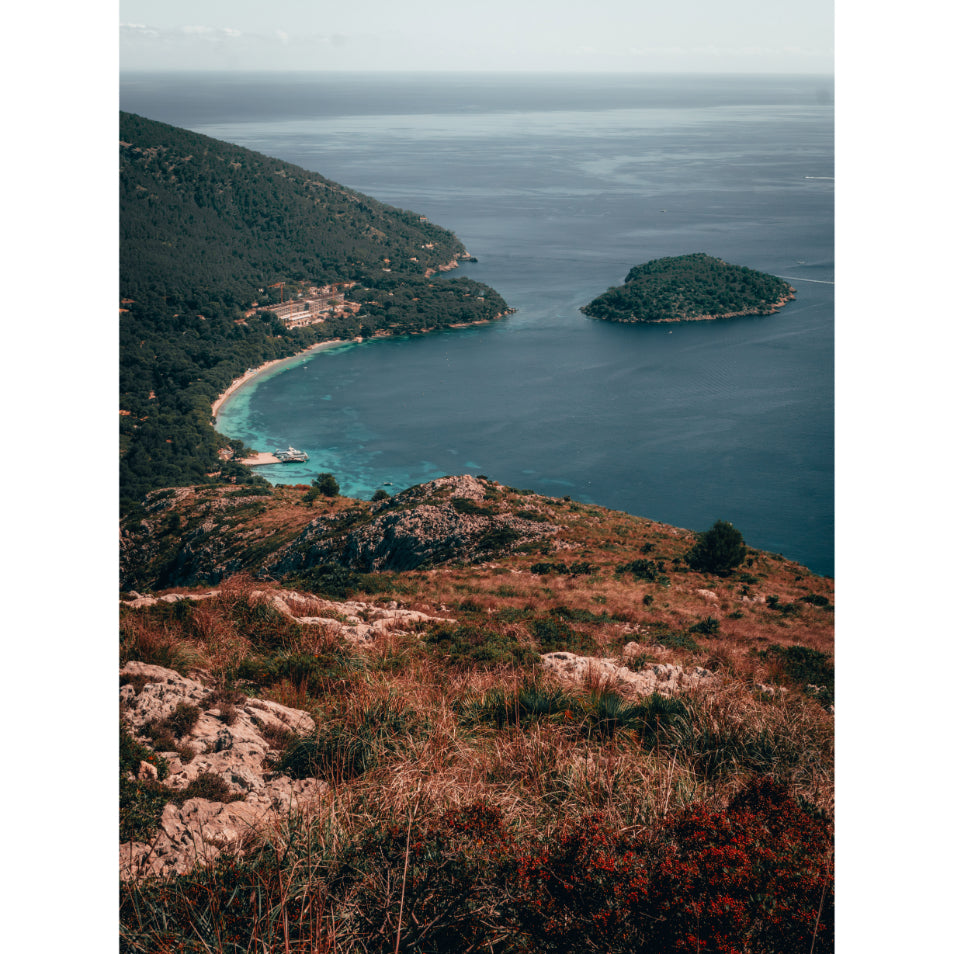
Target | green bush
(465,505)
(707,627)
(326,485)
(498,538)
(140,803)
(658,718)
(265,626)
(669,639)
(544,568)
(809,669)
(206,785)
(140,809)
(642,569)
(328,579)
(530,703)
(608,713)
(582,615)
(342,751)
(166,732)
(311,673)
(470,645)
(718,550)
(554,635)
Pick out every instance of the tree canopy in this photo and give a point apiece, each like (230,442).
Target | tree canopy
(689,287)
(718,550)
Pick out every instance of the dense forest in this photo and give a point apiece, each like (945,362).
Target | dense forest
(689,287)
(205,229)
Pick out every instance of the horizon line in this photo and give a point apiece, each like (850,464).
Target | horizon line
(485,72)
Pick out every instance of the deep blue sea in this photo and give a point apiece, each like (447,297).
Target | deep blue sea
(559,184)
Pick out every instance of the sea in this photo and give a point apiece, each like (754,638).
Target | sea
(559,184)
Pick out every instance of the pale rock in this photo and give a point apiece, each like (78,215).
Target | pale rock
(771,690)
(362,623)
(197,831)
(663,678)
(365,622)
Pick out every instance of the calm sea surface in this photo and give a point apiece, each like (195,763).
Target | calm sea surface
(559,184)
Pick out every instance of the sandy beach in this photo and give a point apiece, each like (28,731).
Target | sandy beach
(257,372)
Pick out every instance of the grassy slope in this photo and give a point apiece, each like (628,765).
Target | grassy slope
(434,715)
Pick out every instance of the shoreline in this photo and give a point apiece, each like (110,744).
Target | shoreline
(263,458)
(253,373)
(773,309)
(240,382)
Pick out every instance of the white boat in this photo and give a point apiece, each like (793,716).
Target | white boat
(291,456)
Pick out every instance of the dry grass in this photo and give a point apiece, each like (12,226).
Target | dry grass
(412,708)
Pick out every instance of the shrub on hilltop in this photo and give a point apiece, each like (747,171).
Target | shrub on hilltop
(719,550)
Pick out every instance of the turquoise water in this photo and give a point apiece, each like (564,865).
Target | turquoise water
(559,186)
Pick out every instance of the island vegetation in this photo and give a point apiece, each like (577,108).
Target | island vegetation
(207,230)
(690,288)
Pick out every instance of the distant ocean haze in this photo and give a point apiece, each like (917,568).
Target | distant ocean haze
(559,185)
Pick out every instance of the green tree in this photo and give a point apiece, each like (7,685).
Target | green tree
(718,550)
(326,484)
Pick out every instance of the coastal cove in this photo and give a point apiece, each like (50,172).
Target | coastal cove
(273,367)
(684,423)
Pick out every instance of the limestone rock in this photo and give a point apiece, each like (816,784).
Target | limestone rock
(196,832)
(237,753)
(359,623)
(663,678)
(419,526)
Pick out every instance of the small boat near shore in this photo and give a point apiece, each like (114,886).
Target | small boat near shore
(291,456)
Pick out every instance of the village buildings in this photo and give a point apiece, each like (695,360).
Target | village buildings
(313,307)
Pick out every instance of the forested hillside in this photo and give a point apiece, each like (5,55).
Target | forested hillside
(690,287)
(205,229)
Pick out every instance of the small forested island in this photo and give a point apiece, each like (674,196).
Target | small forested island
(690,288)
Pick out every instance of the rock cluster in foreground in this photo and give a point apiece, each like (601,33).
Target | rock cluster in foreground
(234,745)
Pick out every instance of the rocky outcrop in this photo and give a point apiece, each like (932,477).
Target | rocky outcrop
(230,739)
(196,832)
(356,622)
(179,541)
(364,623)
(188,538)
(443,521)
(664,678)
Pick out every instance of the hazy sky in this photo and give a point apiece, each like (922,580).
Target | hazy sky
(613,35)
